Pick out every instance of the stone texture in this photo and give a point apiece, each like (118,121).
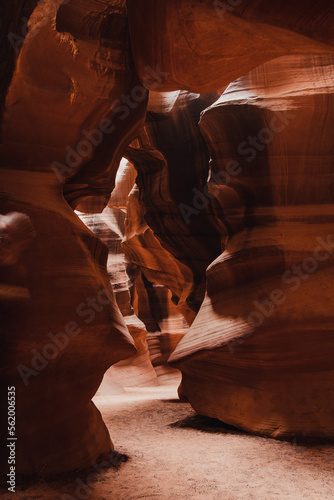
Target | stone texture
(109,227)
(203,45)
(76,100)
(13,30)
(62,85)
(258,354)
(172,159)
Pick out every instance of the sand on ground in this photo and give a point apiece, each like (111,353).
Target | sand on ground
(176,455)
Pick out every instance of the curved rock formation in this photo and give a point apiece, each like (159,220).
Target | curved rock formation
(109,227)
(90,73)
(61,326)
(165,325)
(13,30)
(73,331)
(160,322)
(172,164)
(203,45)
(258,354)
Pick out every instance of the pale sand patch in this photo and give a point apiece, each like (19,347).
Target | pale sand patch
(184,462)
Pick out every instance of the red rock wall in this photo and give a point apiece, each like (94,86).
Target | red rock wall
(62,86)
(76,100)
(172,164)
(109,227)
(258,354)
(203,45)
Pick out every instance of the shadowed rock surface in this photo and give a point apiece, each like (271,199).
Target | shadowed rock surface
(259,353)
(56,92)
(109,227)
(172,161)
(203,45)
(74,100)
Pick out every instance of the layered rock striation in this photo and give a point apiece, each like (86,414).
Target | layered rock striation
(245,196)
(258,355)
(172,161)
(61,326)
(109,227)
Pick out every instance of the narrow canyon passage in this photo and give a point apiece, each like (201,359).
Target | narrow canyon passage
(166,249)
(175,454)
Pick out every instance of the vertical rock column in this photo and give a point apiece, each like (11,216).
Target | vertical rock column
(259,355)
(109,227)
(172,164)
(61,326)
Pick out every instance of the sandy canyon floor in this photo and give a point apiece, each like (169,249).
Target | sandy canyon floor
(175,454)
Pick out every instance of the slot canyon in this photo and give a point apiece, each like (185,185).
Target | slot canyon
(167,249)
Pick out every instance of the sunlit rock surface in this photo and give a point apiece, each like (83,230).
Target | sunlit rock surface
(61,326)
(76,63)
(165,325)
(160,324)
(109,227)
(259,353)
(203,45)
(172,161)
(73,97)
